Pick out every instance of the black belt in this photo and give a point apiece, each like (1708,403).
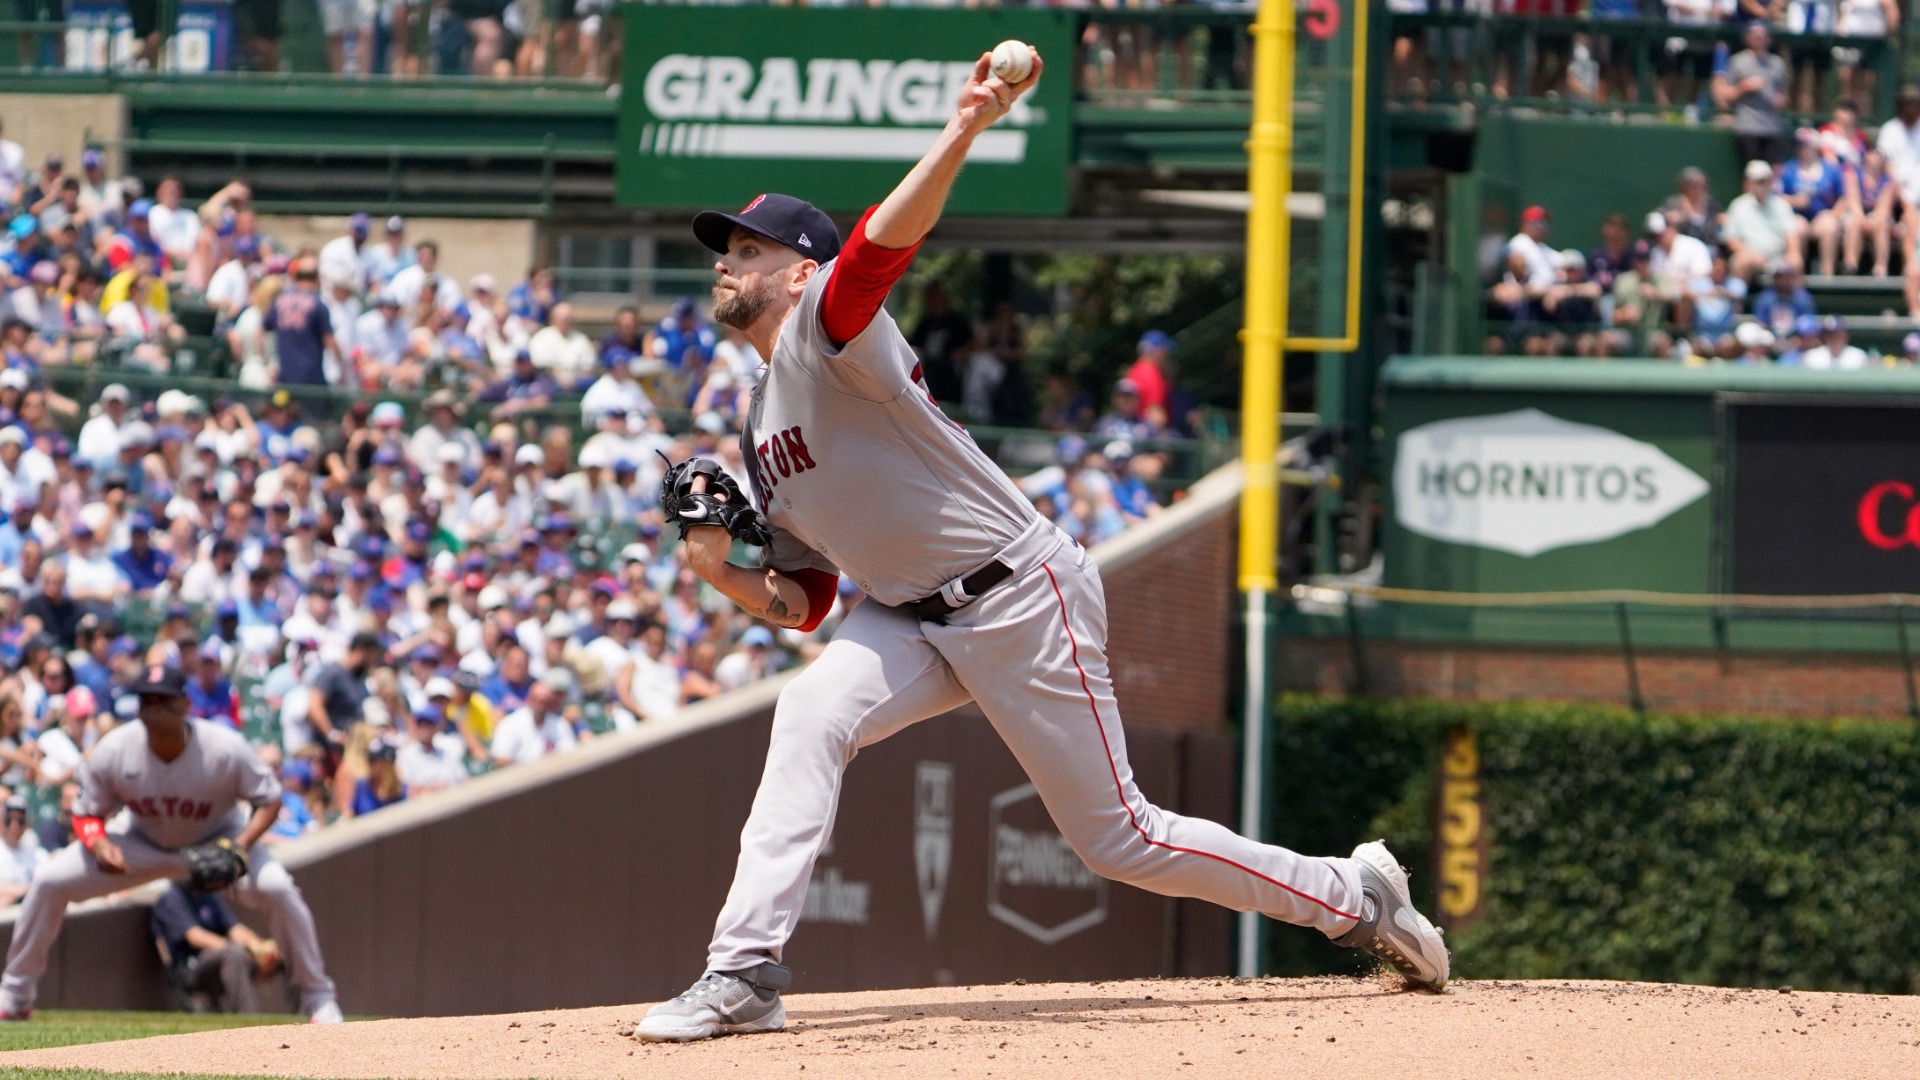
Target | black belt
(937,607)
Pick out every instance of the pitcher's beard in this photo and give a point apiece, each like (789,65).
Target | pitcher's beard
(742,307)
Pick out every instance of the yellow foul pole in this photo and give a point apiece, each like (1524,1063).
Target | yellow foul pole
(1269,179)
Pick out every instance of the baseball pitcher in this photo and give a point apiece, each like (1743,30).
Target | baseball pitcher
(180,783)
(976,598)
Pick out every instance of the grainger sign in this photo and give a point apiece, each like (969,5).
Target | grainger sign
(721,103)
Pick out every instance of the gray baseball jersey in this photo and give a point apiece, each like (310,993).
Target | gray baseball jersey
(857,469)
(173,804)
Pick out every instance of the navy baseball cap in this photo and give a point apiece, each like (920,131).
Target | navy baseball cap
(163,680)
(796,223)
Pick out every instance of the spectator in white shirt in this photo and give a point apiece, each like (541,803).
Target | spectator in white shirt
(1761,225)
(614,392)
(174,227)
(534,730)
(91,576)
(1532,268)
(13,169)
(442,429)
(22,856)
(343,312)
(101,199)
(1676,262)
(754,660)
(433,758)
(483,321)
(340,257)
(561,351)
(409,282)
(380,334)
(615,648)
(231,287)
(66,735)
(649,689)
(99,440)
(1834,352)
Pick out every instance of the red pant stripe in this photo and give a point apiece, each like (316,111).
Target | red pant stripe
(1120,793)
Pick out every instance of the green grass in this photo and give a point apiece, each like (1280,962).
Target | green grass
(96,1074)
(67,1027)
(63,1027)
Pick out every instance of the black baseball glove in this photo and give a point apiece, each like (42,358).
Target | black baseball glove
(214,866)
(722,503)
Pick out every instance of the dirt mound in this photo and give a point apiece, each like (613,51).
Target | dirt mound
(1312,1028)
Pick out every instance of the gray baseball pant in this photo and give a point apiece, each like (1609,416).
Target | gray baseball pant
(72,875)
(1032,654)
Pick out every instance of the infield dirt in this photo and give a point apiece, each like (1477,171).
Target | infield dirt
(1302,1029)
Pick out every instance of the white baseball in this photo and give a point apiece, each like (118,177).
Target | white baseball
(1012,61)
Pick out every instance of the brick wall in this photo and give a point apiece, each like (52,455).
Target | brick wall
(1802,684)
(1171,618)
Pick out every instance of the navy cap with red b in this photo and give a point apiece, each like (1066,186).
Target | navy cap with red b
(796,223)
(163,680)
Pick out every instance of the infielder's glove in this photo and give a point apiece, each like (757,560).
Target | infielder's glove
(214,866)
(722,503)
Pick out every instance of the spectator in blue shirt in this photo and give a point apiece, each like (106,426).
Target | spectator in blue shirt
(276,425)
(381,786)
(509,686)
(533,299)
(209,693)
(525,387)
(683,339)
(1784,301)
(302,329)
(1812,185)
(626,342)
(10,535)
(93,637)
(1130,493)
(296,819)
(144,566)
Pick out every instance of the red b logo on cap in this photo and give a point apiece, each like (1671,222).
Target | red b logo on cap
(153,674)
(757,200)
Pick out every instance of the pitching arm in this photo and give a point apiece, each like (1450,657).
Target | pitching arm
(909,213)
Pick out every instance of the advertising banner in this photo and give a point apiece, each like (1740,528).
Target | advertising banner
(722,103)
(100,37)
(1525,483)
(1826,497)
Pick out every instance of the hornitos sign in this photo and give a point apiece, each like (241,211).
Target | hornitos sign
(830,105)
(1526,482)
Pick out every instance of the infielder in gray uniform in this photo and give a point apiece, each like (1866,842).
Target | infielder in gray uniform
(180,783)
(976,598)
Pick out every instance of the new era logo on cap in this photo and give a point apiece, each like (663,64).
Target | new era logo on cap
(804,242)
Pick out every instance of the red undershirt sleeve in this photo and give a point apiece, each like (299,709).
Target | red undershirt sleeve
(863,275)
(819,587)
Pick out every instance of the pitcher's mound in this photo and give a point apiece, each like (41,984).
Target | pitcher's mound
(1307,1029)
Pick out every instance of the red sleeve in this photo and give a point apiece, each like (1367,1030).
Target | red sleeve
(819,587)
(863,275)
(87,830)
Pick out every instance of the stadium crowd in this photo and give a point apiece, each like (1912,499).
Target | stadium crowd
(388,592)
(1695,277)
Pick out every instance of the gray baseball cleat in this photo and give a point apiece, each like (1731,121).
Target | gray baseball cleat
(721,1003)
(1392,929)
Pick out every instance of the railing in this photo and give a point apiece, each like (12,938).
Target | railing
(1616,619)
(1632,65)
